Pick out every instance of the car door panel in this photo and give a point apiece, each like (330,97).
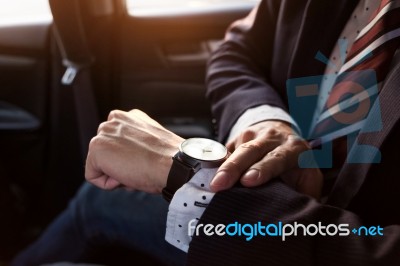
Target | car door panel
(23,102)
(23,66)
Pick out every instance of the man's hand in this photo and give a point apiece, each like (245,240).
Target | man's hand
(131,150)
(266,150)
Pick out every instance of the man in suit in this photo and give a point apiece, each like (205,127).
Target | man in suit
(277,43)
(247,85)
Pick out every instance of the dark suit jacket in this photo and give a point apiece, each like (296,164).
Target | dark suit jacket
(279,41)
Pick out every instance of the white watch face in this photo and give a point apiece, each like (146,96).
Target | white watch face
(204,149)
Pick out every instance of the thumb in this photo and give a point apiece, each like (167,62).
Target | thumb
(105,182)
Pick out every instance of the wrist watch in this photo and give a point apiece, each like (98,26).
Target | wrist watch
(193,154)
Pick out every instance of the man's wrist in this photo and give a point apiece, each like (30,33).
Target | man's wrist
(167,162)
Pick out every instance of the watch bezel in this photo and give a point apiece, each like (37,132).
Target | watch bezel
(203,163)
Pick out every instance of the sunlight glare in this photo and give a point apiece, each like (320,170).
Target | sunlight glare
(24,11)
(176,7)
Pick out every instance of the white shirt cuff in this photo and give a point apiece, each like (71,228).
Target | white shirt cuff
(258,114)
(188,203)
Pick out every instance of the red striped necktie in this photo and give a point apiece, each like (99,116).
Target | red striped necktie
(359,80)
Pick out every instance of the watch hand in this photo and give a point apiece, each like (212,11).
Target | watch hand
(209,149)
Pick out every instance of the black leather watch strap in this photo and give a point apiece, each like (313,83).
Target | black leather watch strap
(182,170)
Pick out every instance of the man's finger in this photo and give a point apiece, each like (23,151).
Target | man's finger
(105,182)
(239,161)
(282,159)
(246,136)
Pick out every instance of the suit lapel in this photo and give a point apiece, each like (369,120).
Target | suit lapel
(387,110)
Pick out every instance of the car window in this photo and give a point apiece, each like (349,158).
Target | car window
(24,11)
(171,7)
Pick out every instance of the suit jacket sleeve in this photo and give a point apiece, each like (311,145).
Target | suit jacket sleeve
(237,76)
(277,202)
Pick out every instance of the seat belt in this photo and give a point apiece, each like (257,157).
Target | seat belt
(76,57)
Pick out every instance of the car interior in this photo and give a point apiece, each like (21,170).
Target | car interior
(61,76)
